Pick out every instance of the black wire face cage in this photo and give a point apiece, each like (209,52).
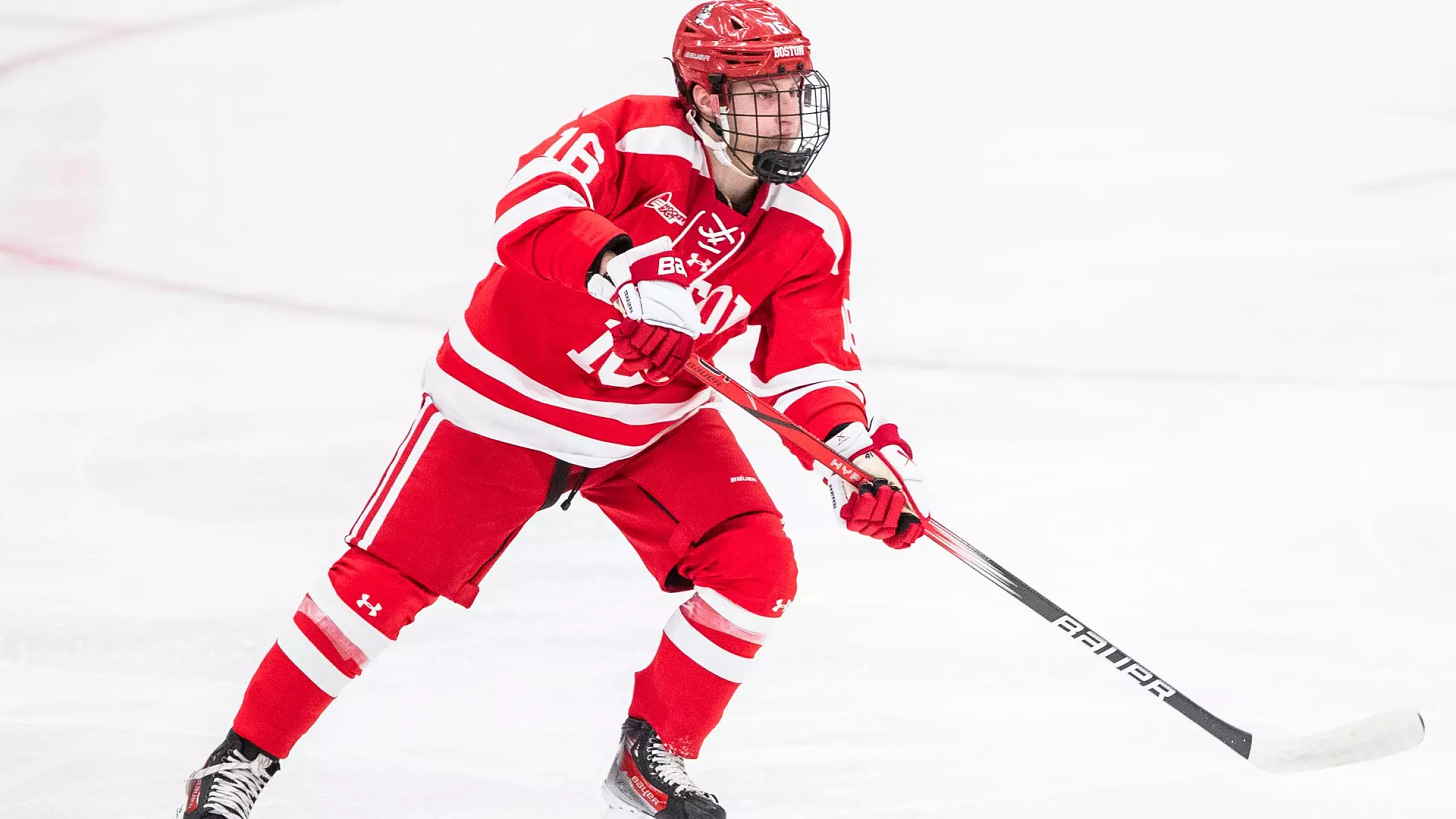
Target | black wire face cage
(780,120)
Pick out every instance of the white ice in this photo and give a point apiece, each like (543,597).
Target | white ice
(1164,294)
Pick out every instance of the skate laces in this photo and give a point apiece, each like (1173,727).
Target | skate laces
(236,785)
(669,768)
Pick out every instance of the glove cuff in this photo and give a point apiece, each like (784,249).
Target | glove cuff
(617,273)
(851,440)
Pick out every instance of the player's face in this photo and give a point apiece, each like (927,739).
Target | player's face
(766,114)
(783,112)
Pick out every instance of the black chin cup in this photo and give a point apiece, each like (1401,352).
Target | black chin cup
(782,167)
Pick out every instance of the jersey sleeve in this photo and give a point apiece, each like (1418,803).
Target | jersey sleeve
(553,219)
(806,364)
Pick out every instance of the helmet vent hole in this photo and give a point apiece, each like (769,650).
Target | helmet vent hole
(738,24)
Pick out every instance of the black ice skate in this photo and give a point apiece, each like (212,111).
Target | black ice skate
(646,779)
(228,785)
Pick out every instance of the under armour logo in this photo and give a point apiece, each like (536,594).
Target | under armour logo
(781,605)
(364,603)
(703,264)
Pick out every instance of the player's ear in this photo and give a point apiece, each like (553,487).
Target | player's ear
(705,102)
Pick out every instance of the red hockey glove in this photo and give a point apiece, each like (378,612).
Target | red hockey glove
(656,352)
(649,285)
(877,509)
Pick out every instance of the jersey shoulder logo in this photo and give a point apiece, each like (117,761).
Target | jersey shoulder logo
(662,203)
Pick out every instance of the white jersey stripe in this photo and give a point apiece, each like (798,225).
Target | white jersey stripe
(788,399)
(540,166)
(350,620)
(802,377)
(384,479)
(665,140)
(718,661)
(555,197)
(312,662)
(475,413)
(394,489)
(476,355)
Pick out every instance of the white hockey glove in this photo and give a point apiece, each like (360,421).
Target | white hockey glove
(649,285)
(884,509)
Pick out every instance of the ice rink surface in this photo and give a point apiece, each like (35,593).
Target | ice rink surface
(1163,294)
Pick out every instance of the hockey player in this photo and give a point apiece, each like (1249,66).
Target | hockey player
(630,239)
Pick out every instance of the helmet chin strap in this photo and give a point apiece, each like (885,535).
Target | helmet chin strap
(719,147)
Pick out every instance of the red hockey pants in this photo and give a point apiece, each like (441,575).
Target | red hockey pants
(449,504)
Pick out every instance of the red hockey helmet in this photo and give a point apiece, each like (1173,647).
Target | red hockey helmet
(720,43)
(734,40)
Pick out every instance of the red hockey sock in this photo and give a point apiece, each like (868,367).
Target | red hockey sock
(703,656)
(343,623)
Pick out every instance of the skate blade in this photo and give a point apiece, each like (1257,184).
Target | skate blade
(616,808)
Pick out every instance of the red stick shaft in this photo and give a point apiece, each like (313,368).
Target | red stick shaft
(788,430)
(803,439)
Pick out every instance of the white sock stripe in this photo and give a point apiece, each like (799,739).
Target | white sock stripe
(409,466)
(736,614)
(697,610)
(716,660)
(335,635)
(384,479)
(312,662)
(350,619)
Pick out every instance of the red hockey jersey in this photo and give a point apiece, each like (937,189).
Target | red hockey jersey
(531,361)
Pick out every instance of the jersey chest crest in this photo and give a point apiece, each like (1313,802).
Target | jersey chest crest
(732,265)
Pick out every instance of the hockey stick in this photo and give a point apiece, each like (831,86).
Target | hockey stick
(1371,738)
